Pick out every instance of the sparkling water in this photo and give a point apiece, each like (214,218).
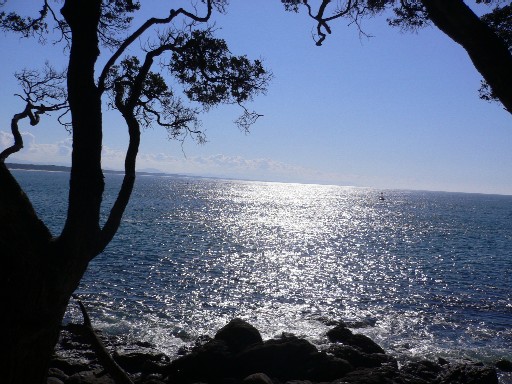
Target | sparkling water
(429,273)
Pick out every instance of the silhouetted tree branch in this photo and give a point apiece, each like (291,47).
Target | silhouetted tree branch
(487,40)
(42,272)
(38,87)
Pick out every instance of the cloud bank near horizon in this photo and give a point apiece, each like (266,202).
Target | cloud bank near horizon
(219,165)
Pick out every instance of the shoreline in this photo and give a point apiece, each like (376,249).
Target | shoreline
(238,354)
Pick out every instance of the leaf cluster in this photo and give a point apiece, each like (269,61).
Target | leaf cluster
(211,75)
(116,17)
(500,21)
(208,73)
(154,101)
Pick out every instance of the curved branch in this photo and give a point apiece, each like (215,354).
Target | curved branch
(18,139)
(114,370)
(139,32)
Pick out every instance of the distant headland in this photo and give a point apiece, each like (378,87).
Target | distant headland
(63,168)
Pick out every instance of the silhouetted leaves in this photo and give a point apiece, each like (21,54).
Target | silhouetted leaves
(211,75)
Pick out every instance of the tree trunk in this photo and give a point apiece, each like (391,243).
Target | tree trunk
(34,286)
(38,273)
(86,184)
(487,51)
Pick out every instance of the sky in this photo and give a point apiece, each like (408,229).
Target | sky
(393,111)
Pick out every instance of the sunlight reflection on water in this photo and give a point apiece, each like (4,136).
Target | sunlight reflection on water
(431,271)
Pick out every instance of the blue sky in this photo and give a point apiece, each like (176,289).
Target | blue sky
(398,110)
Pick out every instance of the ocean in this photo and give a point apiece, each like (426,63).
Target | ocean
(424,274)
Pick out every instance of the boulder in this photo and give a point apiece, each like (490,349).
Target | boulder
(365,344)
(54,380)
(285,358)
(424,369)
(323,367)
(341,334)
(239,335)
(381,375)
(69,367)
(57,373)
(504,365)
(206,363)
(359,359)
(135,362)
(257,378)
(469,374)
(291,358)
(89,377)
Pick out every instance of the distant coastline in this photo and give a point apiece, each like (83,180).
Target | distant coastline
(62,168)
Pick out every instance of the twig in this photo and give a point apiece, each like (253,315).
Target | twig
(114,370)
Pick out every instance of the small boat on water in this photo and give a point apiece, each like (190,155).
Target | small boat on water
(381,197)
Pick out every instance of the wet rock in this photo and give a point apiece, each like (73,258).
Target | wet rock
(504,365)
(69,367)
(89,377)
(150,381)
(359,359)
(424,369)
(284,358)
(57,373)
(341,334)
(469,374)
(239,335)
(54,380)
(206,363)
(365,344)
(381,375)
(442,361)
(323,367)
(257,378)
(139,362)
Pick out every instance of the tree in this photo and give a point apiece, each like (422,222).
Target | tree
(486,39)
(40,271)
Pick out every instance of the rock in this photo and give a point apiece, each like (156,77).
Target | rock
(284,358)
(238,335)
(341,334)
(54,380)
(88,377)
(134,362)
(257,378)
(359,359)
(365,344)
(469,374)
(323,367)
(504,365)
(207,363)
(381,375)
(151,381)
(57,373)
(69,367)
(442,361)
(424,369)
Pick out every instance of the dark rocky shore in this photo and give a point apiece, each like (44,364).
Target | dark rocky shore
(237,354)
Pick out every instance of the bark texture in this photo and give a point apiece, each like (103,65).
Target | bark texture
(487,51)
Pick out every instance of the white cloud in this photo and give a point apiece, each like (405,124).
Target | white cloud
(218,165)
(54,153)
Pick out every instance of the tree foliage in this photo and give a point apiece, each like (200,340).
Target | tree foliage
(165,72)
